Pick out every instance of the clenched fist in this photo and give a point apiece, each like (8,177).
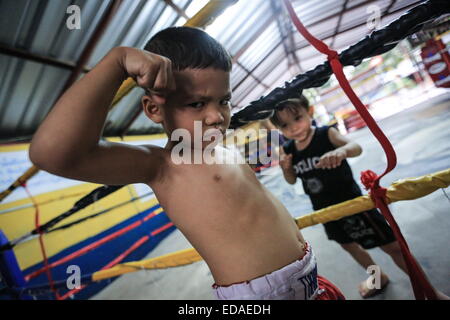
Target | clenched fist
(285,160)
(332,159)
(150,71)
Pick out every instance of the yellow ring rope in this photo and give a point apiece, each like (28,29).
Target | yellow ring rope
(19,181)
(404,189)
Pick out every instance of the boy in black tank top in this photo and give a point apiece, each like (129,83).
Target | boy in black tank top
(317,156)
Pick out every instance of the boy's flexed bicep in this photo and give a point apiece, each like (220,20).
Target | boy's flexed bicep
(114,164)
(68,142)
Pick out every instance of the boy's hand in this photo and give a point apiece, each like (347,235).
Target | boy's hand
(285,160)
(332,159)
(150,71)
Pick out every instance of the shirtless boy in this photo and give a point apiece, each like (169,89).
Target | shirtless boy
(246,236)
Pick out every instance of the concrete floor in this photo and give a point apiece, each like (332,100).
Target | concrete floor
(421,138)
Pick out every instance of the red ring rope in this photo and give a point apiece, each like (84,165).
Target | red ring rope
(91,246)
(421,286)
(41,244)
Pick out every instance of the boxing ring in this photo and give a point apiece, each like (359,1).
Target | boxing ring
(406,189)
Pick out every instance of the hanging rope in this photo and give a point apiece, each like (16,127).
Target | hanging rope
(378,42)
(421,286)
(41,244)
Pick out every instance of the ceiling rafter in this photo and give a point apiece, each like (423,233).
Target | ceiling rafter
(23,54)
(250,73)
(386,11)
(295,49)
(285,30)
(321,20)
(177,9)
(276,11)
(264,73)
(338,24)
(358,25)
(253,38)
(258,64)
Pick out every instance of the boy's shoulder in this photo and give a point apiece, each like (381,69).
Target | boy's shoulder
(158,154)
(322,129)
(320,132)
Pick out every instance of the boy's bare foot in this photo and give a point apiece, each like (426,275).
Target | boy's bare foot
(365,287)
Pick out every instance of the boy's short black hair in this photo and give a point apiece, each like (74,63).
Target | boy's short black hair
(293,105)
(189,47)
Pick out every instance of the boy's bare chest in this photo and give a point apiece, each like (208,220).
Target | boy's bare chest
(212,188)
(214,174)
(214,180)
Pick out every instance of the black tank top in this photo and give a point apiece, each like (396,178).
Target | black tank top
(325,187)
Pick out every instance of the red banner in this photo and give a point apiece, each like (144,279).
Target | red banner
(437,62)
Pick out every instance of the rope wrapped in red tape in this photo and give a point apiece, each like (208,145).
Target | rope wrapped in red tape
(421,286)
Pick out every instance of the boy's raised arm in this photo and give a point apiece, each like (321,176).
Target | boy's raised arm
(345,148)
(68,141)
(351,148)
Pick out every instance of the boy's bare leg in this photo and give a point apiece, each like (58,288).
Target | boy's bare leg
(365,260)
(393,249)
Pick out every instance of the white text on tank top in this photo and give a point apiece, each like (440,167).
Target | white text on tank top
(306,165)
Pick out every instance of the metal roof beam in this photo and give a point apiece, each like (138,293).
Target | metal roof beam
(177,9)
(253,38)
(90,46)
(266,71)
(348,29)
(360,24)
(338,24)
(272,18)
(275,15)
(250,73)
(23,54)
(276,11)
(386,11)
(257,65)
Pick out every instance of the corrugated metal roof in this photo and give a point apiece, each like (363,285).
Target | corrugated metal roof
(38,52)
